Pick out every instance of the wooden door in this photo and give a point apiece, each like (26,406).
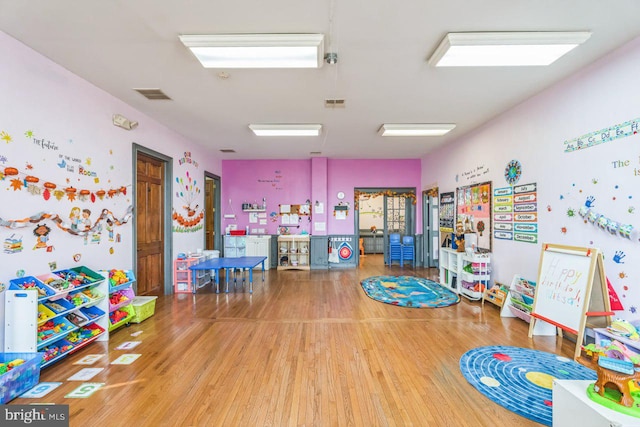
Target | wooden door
(209,215)
(150,225)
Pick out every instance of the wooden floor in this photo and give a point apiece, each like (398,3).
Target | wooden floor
(307,348)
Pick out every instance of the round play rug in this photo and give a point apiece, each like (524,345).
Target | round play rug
(520,379)
(408,291)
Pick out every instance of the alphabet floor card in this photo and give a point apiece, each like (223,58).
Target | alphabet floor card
(85,374)
(85,390)
(89,359)
(40,390)
(128,345)
(126,359)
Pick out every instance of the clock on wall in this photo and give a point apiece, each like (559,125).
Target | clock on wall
(340,195)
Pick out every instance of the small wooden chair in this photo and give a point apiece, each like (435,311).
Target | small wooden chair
(361,244)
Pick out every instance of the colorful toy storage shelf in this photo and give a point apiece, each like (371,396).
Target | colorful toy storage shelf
(519,301)
(55,313)
(121,296)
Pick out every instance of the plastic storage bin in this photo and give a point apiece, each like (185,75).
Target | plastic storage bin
(21,378)
(144,307)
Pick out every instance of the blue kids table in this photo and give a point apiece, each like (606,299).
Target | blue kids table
(240,263)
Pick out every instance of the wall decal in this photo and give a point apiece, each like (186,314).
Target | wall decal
(13,244)
(601,136)
(513,172)
(34,185)
(64,226)
(42,236)
(20,273)
(189,194)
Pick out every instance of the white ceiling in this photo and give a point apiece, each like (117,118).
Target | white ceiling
(382,71)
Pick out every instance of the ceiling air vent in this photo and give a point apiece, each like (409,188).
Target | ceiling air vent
(227,150)
(152,94)
(315,153)
(334,103)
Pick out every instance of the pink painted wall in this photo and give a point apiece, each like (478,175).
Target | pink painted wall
(278,181)
(294,181)
(319,174)
(345,175)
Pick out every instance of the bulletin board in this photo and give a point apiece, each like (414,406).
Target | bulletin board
(474,211)
(571,288)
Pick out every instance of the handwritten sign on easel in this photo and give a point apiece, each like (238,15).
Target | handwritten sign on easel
(571,288)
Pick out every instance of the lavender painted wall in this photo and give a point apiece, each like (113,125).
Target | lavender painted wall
(43,101)
(602,178)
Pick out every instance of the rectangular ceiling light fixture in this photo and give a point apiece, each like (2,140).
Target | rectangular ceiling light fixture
(416,129)
(257,50)
(504,48)
(286,129)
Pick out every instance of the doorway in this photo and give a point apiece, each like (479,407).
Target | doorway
(380,212)
(430,228)
(152,233)
(213,238)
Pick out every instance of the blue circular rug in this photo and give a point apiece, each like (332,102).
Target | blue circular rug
(408,291)
(520,379)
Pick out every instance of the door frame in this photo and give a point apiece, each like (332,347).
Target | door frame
(410,218)
(217,222)
(167,197)
(430,228)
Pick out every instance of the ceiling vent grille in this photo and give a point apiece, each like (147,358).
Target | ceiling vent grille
(152,94)
(227,150)
(334,103)
(315,153)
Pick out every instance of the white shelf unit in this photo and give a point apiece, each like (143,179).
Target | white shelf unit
(450,268)
(519,301)
(452,272)
(472,285)
(294,252)
(79,311)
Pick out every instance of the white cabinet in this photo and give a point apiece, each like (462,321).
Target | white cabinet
(293,252)
(259,246)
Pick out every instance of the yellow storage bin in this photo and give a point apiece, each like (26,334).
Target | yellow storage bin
(144,308)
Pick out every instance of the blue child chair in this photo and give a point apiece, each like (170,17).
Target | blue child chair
(395,249)
(408,251)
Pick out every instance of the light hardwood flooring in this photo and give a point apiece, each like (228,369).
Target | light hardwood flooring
(307,348)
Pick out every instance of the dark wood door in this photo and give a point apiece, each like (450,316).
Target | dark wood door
(210,211)
(150,225)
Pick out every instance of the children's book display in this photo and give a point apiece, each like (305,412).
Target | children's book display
(55,313)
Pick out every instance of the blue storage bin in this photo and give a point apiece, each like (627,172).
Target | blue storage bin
(21,378)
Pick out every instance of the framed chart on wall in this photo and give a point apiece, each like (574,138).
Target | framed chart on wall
(474,212)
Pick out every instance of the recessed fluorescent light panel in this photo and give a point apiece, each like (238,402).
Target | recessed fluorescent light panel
(257,50)
(504,48)
(286,130)
(416,129)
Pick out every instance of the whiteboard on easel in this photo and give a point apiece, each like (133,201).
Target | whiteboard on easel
(571,289)
(564,285)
